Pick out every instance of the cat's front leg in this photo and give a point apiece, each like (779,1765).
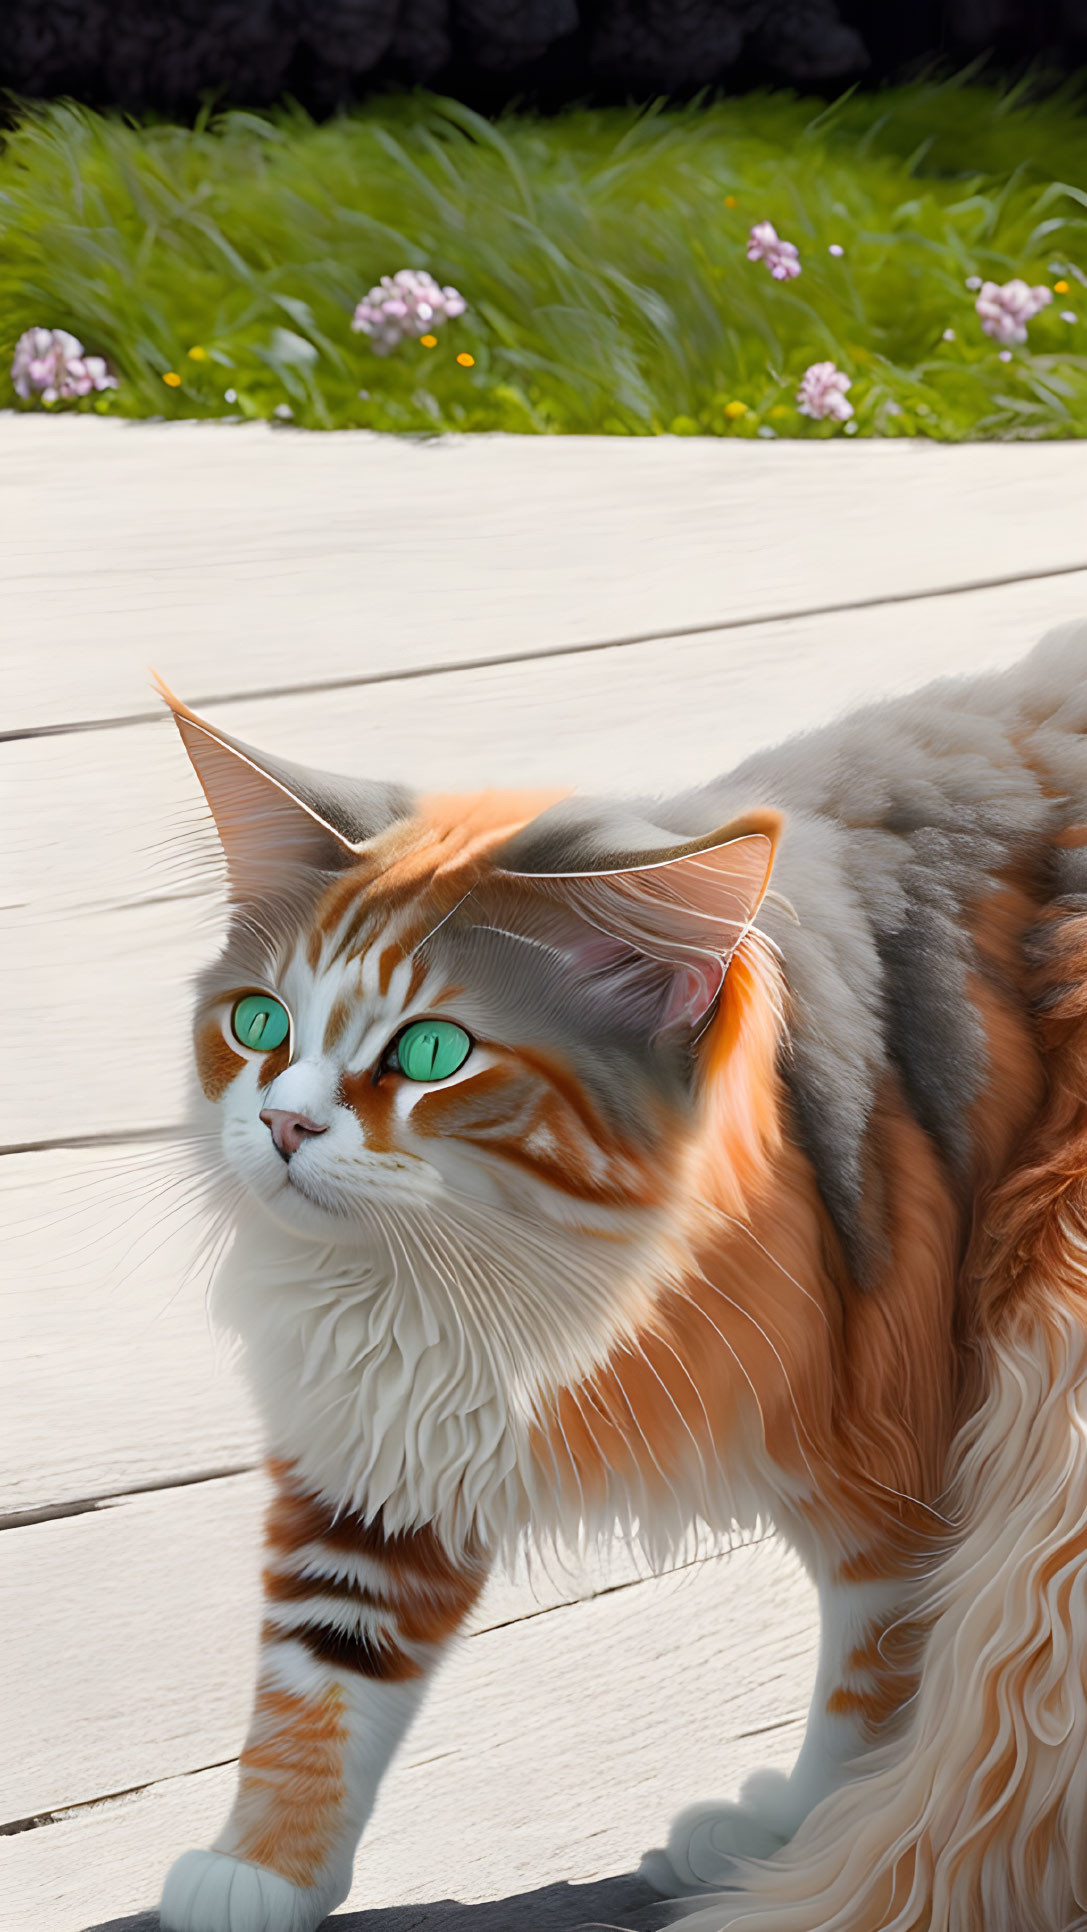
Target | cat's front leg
(355,1621)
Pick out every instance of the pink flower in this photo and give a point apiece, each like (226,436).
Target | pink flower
(409,303)
(51,364)
(822,393)
(782,258)
(1005,309)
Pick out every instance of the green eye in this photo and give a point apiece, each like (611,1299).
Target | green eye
(260,1022)
(432,1049)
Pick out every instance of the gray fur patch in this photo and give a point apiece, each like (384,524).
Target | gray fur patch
(897,822)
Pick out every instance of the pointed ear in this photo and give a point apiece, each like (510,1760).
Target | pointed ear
(678,914)
(277,819)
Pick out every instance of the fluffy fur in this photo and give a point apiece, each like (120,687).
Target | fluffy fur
(744,1204)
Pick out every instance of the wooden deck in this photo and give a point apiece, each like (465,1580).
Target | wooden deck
(607,613)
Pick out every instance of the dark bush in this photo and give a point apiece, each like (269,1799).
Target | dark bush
(142,54)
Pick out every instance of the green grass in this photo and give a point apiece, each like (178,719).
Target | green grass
(601,253)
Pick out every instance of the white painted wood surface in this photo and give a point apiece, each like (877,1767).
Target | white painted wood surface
(244,561)
(256,557)
(109,1376)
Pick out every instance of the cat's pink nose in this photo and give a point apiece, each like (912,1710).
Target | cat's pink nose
(289,1130)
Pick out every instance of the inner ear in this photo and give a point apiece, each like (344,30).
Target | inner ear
(662,927)
(276,819)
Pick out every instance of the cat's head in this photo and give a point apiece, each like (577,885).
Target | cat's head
(492,1004)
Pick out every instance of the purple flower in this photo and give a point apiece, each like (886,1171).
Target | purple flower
(409,303)
(1006,308)
(782,258)
(822,393)
(52,365)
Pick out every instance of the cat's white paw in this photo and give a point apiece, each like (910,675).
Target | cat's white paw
(704,1845)
(208,1891)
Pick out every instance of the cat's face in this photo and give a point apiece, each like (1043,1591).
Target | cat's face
(431,1012)
(394,1051)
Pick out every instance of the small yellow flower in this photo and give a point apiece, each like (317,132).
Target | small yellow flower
(198,354)
(780,409)
(466,361)
(172,379)
(1061,287)
(730,201)
(429,341)
(735,409)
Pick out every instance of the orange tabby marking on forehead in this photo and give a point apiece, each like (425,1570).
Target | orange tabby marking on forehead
(486,818)
(336,1024)
(387,964)
(446,846)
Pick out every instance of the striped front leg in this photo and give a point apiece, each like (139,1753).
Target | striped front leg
(355,1621)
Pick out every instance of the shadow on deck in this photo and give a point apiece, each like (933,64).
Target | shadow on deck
(623,1904)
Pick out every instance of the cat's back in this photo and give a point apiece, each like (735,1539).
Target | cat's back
(926,839)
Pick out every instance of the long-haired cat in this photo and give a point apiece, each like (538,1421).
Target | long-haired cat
(590,1182)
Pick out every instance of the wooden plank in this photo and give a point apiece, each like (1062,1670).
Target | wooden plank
(246,558)
(102,941)
(109,1377)
(92,820)
(634,1704)
(130,1642)
(163,1590)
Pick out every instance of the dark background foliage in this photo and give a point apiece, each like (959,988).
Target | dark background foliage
(143,54)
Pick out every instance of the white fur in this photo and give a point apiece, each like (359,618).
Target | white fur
(708,1841)
(833,1743)
(208,1891)
(406,1374)
(316,1561)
